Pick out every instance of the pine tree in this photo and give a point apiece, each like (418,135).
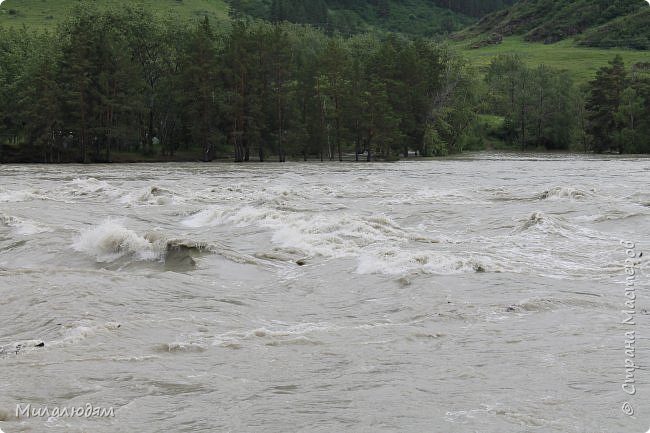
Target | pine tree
(78,80)
(629,115)
(603,102)
(201,90)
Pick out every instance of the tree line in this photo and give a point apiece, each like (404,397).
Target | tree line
(125,81)
(125,85)
(618,108)
(543,108)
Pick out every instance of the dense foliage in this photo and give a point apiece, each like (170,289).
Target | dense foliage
(127,85)
(618,109)
(540,105)
(110,83)
(413,17)
(542,108)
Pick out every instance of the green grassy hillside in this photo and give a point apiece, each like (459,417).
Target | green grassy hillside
(48,13)
(581,62)
(632,30)
(550,21)
(413,17)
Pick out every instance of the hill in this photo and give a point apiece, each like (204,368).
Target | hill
(48,13)
(568,55)
(631,30)
(474,8)
(412,17)
(550,21)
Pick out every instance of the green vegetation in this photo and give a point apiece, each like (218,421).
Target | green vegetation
(474,8)
(542,109)
(413,17)
(618,110)
(630,30)
(580,62)
(47,14)
(550,21)
(115,82)
(538,105)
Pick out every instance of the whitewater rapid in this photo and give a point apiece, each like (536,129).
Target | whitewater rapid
(482,293)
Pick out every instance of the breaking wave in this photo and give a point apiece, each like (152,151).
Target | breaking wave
(67,335)
(91,187)
(564,193)
(22,227)
(20,196)
(300,334)
(394,262)
(112,241)
(377,241)
(151,195)
(550,225)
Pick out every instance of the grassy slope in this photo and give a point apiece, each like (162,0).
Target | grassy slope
(580,62)
(412,17)
(48,13)
(633,29)
(552,20)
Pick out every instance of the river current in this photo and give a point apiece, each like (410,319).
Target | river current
(479,294)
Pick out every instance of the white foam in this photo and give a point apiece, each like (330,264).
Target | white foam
(20,346)
(396,262)
(23,227)
(242,217)
(78,333)
(274,335)
(90,185)
(111,241)
(608,216)
(182,346)
(377,241)
(541,223)
(151,195)
(564,193)
(20,196)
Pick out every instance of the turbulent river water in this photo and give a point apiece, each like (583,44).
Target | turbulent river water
(478,294)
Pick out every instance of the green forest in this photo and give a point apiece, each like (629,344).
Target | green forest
(413,17)
(114,85)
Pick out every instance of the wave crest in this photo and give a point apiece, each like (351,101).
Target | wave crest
(564,193)
(112,241)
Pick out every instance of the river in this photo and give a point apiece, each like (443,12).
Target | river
(478,294)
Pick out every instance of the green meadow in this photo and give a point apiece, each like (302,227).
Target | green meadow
(582,63)
(44,14)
